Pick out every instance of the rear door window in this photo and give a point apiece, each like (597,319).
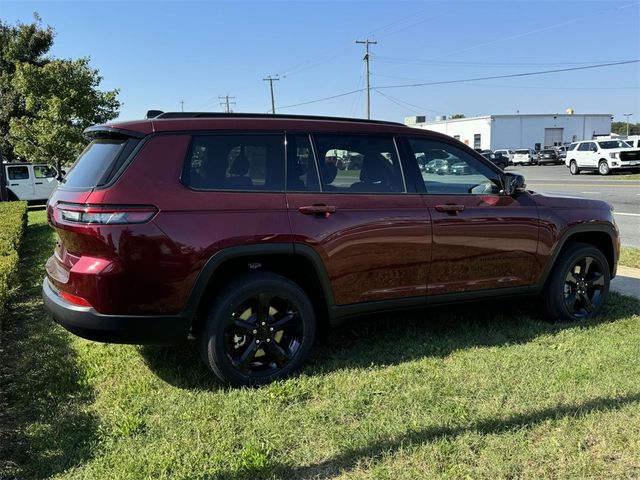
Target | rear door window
(18,173)
(93,165)
(236,162)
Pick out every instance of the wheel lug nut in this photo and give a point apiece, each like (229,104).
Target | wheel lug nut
(271,329)
(268,340)
(255,331)
(263,324)
(257,341)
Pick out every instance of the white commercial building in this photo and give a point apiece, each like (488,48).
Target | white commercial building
(519,131)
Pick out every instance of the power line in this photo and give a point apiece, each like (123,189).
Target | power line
(457,63)
(366,43)
(461,81)
(323,99)
(513,75)
(399,101)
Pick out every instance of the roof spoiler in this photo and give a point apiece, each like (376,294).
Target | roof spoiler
(153,113)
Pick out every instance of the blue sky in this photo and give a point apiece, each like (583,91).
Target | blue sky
(159,53)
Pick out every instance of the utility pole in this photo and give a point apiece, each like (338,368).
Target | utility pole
(271,79)
(226,103)
(627,115)
(366,43)
(182,105)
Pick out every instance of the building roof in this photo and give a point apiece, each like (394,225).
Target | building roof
(518,115)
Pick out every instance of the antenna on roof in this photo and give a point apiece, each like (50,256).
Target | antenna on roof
(153,113)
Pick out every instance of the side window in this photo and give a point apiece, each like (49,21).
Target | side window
(447,169)
(572,147)
(18,173)
(235,162)
(358,164)
(43,171)
(476,140)
(584,147)
(302,173)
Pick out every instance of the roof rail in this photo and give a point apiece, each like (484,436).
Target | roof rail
(175,115)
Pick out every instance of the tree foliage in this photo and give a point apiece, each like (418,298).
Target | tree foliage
(621,128)
(19,44)
(54,100)
(457,115)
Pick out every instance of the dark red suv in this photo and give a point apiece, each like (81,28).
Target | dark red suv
(247,231)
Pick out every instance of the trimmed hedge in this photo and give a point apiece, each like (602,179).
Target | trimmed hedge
(13,219)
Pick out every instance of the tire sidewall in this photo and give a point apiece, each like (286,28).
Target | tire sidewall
(556,290)
(573,167)
(606,168)
(213,344)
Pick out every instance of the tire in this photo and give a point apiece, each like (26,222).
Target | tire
(235,320)
(573,168)
(578,286)
(603,168)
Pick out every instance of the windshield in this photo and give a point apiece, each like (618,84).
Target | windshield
(613,144)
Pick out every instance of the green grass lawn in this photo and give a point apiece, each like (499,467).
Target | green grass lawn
(630,257)
(482,391)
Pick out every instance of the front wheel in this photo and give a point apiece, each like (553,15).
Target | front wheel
(573,168)
(260,328)
(578,286)
(603,167)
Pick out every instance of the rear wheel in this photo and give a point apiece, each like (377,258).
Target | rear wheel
(261,328)
(573,168)
(603,167)
(578,286)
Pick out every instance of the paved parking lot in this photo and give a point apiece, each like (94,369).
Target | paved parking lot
(624,195)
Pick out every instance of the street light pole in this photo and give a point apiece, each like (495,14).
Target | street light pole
(627,115)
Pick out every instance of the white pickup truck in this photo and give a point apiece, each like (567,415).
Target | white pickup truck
(32,182)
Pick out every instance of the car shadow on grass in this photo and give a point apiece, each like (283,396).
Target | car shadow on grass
(394,338)
(46,427)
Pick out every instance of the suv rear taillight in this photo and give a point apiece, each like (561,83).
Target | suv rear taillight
(103,214)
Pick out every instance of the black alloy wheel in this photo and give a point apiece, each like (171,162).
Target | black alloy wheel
(578,286)
(260,328)
(584,287)
(263,335)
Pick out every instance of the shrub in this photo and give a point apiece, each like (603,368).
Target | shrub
(13,219)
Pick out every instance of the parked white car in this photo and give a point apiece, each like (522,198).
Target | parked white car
(633,141)
(506,152)
(602,156)
(525,156)
(32,182)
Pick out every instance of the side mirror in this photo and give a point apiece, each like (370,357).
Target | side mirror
(513,184)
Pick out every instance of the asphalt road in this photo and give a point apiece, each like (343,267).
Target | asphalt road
(624,195)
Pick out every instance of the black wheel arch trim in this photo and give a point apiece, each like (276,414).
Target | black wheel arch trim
(566,236)
(251,250)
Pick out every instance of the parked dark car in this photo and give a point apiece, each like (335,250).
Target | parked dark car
(460,168)
(549,156)
(237,230)
(497,159)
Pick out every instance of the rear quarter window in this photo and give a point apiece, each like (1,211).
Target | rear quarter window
(92,167)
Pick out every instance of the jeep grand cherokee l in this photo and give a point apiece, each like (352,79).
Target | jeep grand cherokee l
(240,230)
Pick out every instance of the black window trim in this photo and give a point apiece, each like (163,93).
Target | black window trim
(288,133)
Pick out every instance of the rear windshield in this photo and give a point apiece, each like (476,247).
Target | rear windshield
(522,152)
(548,151)
(94,164)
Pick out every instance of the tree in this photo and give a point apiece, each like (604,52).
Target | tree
(55,100)
(621,128)
(457,115)
(63,99)
(19,44)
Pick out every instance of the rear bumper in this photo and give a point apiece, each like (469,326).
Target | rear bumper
(140,330)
